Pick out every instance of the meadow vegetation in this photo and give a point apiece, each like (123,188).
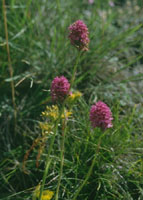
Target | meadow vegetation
(97,164)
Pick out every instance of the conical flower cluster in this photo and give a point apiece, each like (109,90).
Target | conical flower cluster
(101,115)
(79,35)
(60,88)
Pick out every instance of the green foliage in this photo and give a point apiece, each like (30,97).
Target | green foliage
(111,71)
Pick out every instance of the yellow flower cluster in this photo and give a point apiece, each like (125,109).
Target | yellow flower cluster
(46,127)
(46,195)
(74,96)
(51,112)
(66,114)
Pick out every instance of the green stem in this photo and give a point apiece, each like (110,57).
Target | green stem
(74,69)
(86,178)
(48,160)
(90,169)
(58,5)
(62,158)
(44,177)
(10,65)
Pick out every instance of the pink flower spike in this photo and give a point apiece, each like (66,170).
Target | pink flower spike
(60,88)
(111,3)
(101,116)
(79,35)
(90,1)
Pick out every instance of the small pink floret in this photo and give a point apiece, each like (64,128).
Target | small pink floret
(91,1)
(111,3)
(60,88)
(101,116)
(79,35)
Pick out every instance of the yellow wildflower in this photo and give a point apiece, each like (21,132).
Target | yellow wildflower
(46,127)
(74,96)
(51,112)
(46,195)
(66,114)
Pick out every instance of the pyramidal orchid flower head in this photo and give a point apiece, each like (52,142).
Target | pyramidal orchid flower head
(111,3)
(60,88)
(90,1)
(101,116)
(78,35)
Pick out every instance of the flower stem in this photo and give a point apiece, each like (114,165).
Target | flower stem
(62,158)
(48,160)
(90,169)
(74,69)
(9,64)
(44,177)
(58,5)
(86,178)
